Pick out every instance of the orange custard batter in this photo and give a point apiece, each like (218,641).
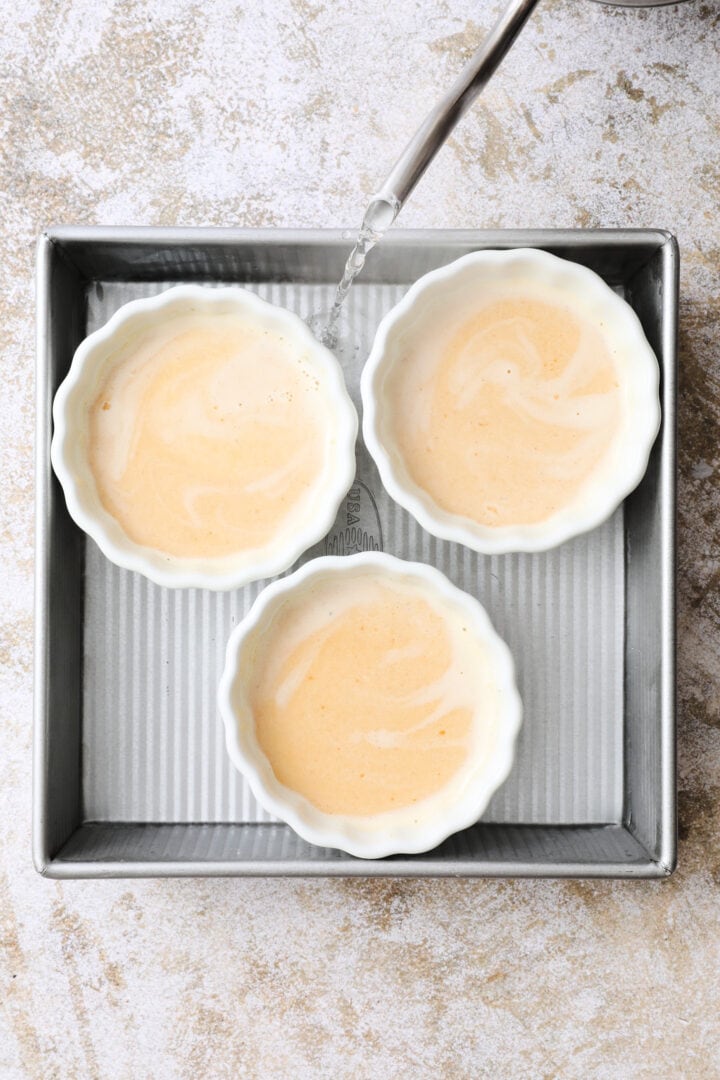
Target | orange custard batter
(503,408)
(208,436)
(368,694)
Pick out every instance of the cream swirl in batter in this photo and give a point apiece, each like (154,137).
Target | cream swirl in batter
(208,436)
(502,407)
(370,693)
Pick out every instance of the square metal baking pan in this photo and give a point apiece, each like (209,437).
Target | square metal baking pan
(131,776)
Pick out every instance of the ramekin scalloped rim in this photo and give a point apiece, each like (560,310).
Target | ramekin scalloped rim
(391,832)
(69,457)
(628,457)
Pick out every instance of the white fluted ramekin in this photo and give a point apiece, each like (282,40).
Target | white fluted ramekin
(624,465)
(410,829)
(70,441)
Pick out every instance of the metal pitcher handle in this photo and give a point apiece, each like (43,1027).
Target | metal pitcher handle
(438,124)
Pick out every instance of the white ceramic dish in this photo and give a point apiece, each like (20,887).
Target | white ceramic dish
(70,440)
(409,829)
(623,466)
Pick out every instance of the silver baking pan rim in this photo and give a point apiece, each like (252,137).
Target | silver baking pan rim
(66,846)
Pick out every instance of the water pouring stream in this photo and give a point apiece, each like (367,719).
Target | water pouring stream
(379,216)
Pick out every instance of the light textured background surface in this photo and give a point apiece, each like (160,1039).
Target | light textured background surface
(289,113)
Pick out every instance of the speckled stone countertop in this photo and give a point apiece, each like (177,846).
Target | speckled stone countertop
(289,113)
